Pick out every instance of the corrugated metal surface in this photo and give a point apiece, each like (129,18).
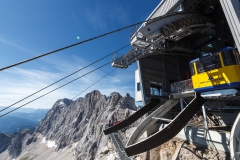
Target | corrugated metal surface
(231,10)
(163,8)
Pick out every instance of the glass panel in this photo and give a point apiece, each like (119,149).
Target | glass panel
(138,87)
(199,67)
(156,89)
(208,63)
(229,57)
(192,69)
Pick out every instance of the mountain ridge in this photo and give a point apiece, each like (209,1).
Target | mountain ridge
(17,121)
(78,123)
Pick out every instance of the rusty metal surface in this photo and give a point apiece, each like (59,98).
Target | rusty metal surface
(135,116)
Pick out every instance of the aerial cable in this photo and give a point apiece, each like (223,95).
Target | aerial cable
(64,78)
(75,44)
(94,83)
(54,89)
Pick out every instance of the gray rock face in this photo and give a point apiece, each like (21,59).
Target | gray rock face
(16,145)
(82,121)
(5,141)
(79,125)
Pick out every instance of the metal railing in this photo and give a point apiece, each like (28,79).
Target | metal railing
(116,57)
(133,31)
(118,144)
(119,61)
(159,93)
(166,94)
(182,86)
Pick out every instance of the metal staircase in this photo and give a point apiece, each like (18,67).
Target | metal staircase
(118,145)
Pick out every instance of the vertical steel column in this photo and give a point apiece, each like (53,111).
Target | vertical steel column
(179,73)
(220,107)
(164,85)
(205,117)
(181,103)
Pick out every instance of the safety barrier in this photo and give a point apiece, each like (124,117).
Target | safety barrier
(168,132)
(134,117)
(118,145)
(149,121)
(182,86)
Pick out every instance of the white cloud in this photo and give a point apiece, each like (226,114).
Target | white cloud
(120,14)
(99,15)
(96,16)
(7,42)
(18,83)
(76,19)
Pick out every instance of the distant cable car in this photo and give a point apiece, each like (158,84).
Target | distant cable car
(218,70)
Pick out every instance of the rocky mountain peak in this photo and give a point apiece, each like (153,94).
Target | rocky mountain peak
(16,145)
(80,122)
(114,98)
(127,102)
(60,105)
(75,130)
(5,141)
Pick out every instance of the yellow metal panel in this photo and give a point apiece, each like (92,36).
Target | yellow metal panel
(195,77)
(220,76)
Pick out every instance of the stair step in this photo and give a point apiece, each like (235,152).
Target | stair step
(118,143)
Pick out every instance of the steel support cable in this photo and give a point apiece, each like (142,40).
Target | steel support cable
(75,44)
(64,78)
(94,83)
(55,89)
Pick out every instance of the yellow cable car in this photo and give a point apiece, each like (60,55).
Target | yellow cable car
(218,70)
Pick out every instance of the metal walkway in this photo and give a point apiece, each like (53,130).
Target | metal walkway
(118,145)
(171,130)
(151,37)
(135,116)
(150,120)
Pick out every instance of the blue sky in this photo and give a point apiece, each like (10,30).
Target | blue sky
(30,28)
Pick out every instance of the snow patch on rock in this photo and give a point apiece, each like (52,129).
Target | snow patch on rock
(61,103)
(50,144)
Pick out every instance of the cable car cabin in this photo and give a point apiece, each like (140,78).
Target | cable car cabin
(219,70)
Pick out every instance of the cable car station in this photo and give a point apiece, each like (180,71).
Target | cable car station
(187,53)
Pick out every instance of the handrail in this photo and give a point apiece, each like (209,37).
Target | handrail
(148,40)
(168,132)
(134,117)
(119,148)
(182,86)
(149,121)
